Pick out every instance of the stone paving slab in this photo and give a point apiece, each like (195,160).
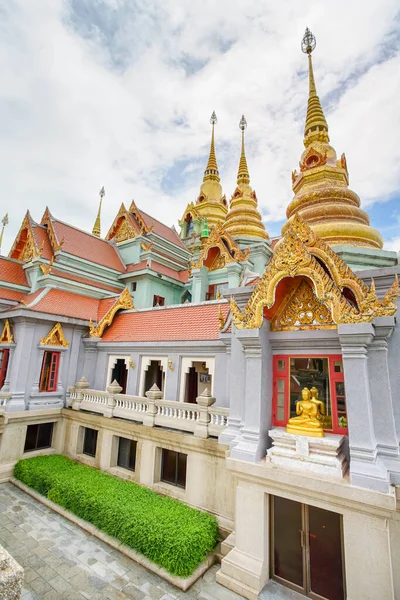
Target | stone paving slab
(63,562)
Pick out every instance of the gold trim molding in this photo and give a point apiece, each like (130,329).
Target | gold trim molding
(55,337)
(7,334)
(123,302)
(302,253)
(229,251)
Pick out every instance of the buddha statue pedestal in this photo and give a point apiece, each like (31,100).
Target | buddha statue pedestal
(322,455)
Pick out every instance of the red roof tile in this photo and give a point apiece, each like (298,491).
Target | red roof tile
(158,268)
(182,323)
(67,304)
(12,271)
(85,280)
(104,306)
(89,247)
(42,241)
(162,230)
(6,294)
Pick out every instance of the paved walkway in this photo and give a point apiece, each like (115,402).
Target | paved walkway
(63,562)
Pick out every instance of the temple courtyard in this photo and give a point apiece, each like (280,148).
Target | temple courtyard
(61,561)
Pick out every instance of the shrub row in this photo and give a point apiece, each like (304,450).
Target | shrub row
(171,534)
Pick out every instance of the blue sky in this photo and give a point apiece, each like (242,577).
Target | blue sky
(119,93)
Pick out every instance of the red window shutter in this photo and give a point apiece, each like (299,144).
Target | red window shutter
(4,354)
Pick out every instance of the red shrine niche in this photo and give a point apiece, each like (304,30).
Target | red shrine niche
(294,372)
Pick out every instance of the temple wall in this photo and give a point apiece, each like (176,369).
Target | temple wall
(371,526)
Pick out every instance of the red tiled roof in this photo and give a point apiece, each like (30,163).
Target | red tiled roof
(6,294)
(162,230)
(158,268)
(104,306)
(67,304)
(182,323)
(85,280)
(42,241)
(12,271)
(253,281)
(89,247)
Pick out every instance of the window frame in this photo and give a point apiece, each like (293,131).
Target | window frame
(54,362)
(159,299)
(284,374)
(4,365)
(134,445)
(39,426)
(95,443)
(175,481)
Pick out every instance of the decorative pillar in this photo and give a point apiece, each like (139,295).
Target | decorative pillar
(90,358)
(18,367)
(200,284)
(257,394)
(153,394)
(236,377)
(80,387)
(205,400)
(382,403)
(365,468)
(113,389)
(234,270)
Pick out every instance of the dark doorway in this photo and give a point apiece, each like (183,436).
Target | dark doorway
(154,375)
(307,553)
(191,385)
(120,374)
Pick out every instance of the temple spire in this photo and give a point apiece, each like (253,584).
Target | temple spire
(97,226)
(316,127)
(211,171)
(243,172)
(4,222)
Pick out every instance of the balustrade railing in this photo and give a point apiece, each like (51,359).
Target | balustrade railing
(202,418)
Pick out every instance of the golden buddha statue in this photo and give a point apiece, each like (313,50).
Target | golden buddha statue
(325,419)
(309,420)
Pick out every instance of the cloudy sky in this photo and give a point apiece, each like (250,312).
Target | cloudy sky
(119,93)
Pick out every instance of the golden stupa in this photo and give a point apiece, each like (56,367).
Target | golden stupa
(211,203)
(322,196)
(243,219)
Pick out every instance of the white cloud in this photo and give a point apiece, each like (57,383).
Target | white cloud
(92,93)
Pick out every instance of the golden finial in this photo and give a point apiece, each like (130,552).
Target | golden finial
(316,127)
(97,227)
(4,223)
(211,171)
(243,172)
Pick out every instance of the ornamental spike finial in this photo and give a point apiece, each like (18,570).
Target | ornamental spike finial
(97,225)
(243,172)
(211,171)
(4,222)
(316,127)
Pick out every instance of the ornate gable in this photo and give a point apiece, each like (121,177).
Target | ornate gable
(25,247)
(47,221)
(301,253)
(6,336)
(55,337)
(124,301)
(127,224)
(219,250)
(302,310)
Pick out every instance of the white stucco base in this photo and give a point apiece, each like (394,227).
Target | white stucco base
(318,455)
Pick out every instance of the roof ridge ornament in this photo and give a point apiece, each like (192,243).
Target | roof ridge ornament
(316,127)
(211,171)
(243,175)
(97,225)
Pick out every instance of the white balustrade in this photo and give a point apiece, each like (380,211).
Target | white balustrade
(181,416)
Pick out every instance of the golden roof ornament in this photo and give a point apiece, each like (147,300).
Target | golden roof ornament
(210,203)
(321,193)
(243,172)
(97,226)
(211,171)
(243,219)
(316,127)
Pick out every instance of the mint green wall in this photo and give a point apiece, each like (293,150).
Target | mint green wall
(148,286)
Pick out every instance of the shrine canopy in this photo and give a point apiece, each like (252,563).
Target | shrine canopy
(307,285)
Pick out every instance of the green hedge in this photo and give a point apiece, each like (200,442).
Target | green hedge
(171,534)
